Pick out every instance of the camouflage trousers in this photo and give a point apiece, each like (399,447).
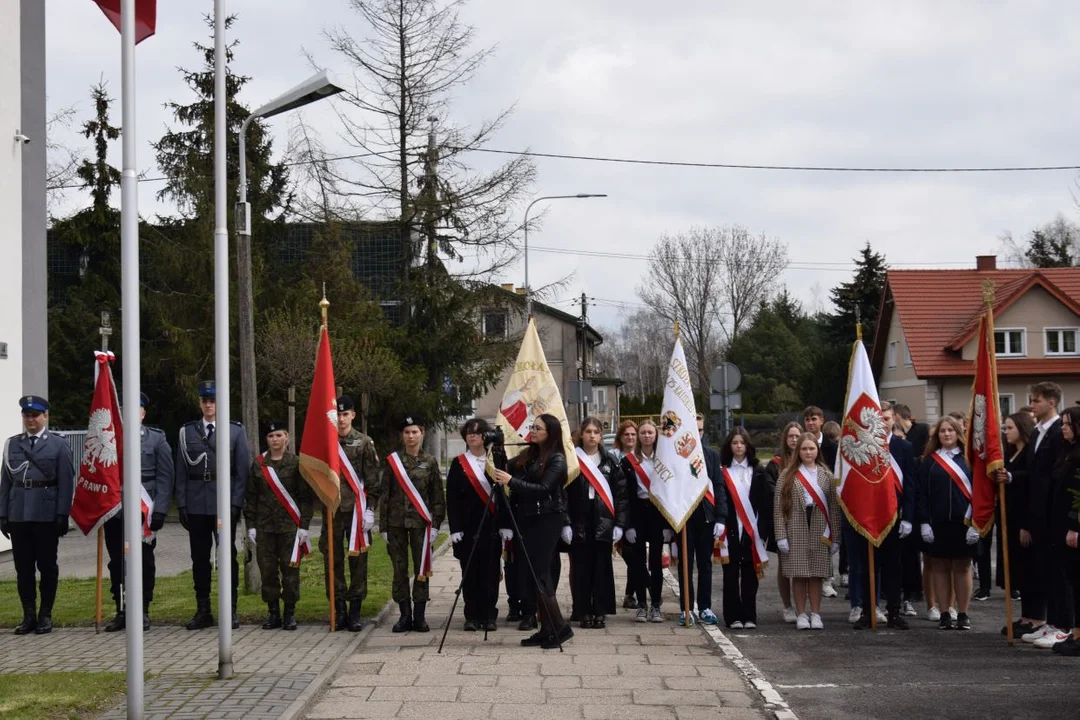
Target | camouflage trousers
(272,552)
(399,542)
(357,588)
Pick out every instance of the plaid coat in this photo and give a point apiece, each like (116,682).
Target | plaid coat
(808,556)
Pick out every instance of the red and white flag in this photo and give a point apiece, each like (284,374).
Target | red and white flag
(99,489)
(985,455)
(145,16)
(320,463)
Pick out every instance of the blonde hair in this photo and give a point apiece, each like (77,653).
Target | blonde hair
(649,422)
(787,478)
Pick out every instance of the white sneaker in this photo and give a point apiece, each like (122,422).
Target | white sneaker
(788,614)
(802,622)
(909,609)
(815,622)
(736,625)
(855,615)
(881,616)
(749,625)
(1038,633)
(642,615)
(952,613)
(1051,639)
(933,614)
(827,589)
(844,580)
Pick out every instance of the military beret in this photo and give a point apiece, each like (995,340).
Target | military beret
(34,403)
(345,403)
(276,426)
(410,420)
(207,389)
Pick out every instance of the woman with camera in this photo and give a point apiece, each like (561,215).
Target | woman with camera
(535,478)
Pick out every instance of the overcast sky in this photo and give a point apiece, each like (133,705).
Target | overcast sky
(918,84)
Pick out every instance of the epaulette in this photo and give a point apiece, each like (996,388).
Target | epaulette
(237,423)
(192,422)
(154,429)
(60,435)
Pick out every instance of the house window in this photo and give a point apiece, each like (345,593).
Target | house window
(601,400)
(1009,343)
(1061,341)
(495,324)
(907,355)
(1007,405)
(892,354)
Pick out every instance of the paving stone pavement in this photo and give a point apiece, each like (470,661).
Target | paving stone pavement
(626,671)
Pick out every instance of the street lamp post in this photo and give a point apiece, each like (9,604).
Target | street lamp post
(313,89)
(528,289)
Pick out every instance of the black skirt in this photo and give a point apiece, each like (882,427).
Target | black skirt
(950,542)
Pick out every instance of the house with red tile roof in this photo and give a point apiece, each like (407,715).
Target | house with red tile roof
(924,348)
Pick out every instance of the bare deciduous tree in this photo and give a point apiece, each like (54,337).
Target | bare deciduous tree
(633,354)
(751,268)
(62,162)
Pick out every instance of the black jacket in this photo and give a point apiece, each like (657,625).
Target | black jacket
(904,455)
(918,435)
(1041,482)
(465,510)
(708,513)
(642,510)
(1063,516)
(939,500)
(594,514)
(1017,491)
(537,491)
(761,499)
(829,448)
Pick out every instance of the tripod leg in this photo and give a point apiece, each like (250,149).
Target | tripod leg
(465,571)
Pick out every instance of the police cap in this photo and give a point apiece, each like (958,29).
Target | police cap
(143,400)
(34,403)
(207,389)
(345,403)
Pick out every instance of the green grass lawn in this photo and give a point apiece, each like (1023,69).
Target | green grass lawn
(174,599)
(59,695)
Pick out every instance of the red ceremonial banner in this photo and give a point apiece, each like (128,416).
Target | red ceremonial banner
(983,444)
(98,491)
(145,16)
(320,463)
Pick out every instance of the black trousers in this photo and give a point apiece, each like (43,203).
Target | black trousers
(114,543)
(982,562)
(480,586)
(539,540)
(888,569)
(911,566)
(740,582)
(1056,568)
(202,536)
(699,547)
(645,558)
(33,550)
(593,578)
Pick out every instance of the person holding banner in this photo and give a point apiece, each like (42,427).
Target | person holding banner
(37,484)
(943,505)
(749,525)
(469,506)
(1065,524)
(644,539)
(1023,565)
(599,514)
(410,513)
(807,526)
(773,468)
(355,516)
(277,510)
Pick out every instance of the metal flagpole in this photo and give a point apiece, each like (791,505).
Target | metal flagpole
(226,547)
(129,271)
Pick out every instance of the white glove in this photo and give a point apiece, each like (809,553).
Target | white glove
(835,548)
(506,534)
(434,534)
(717,531)
(385,537)
(972,536)
(616,534)
(251,535)
(567,534)
(905,529)
(927,533)
(369,519)
(302,535)
(457,537)
(669,536)
(783,546)
(631,535)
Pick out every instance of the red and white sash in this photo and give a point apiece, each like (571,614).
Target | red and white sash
(639,470)
(413,494)
(359,541)
(270,474)
(899,474)
(959,477)
(596,479)
(147,510)
(811,488)
(478,480)
(748,519)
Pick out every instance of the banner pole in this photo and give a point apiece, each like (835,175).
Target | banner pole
(330,563)
(873,586)
(1005,557)
(97,605)
(686,580)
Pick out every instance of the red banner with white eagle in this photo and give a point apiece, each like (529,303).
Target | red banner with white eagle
(983,445)
(863,464)
(99,489)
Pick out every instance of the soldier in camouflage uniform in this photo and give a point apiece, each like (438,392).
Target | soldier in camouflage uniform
(360,450)
(403,527)
(272,527)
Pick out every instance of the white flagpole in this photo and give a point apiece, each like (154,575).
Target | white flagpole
(129,281)
(226,547)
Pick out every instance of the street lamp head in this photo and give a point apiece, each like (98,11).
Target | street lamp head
(590,195)
(315,88)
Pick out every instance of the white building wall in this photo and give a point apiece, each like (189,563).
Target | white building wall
(10,222)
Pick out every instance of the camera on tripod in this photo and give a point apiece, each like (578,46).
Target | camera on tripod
(495,442)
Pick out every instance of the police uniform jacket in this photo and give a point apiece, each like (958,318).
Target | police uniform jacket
(38,485)
(196,463)
(395,508)
(360,449)
(157,467)
(263,510)
(591,512)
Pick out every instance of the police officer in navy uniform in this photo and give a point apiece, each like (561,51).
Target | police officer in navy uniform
(196,496)
(157,479)
(37,483)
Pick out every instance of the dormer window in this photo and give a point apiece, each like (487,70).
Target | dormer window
(1061,341)
(1010,342)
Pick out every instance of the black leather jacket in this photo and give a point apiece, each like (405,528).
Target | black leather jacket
(536,491)
(586,513)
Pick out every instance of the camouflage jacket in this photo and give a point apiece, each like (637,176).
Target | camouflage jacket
(395,508)
(262,509)
(360,449)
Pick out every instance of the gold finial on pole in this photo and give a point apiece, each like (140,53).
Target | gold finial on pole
(677,331)
(858,323)
(323,304)
(988,291)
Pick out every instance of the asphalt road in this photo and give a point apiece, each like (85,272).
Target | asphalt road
(843,674)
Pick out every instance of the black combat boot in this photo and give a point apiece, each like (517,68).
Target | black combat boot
(44,622)
(355,625)
(119,622)
(29,621)
(341,615)
(273,619)
(289,622)
(202,617)
(404,623)
(419,624)
(146,618)
(235,618)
